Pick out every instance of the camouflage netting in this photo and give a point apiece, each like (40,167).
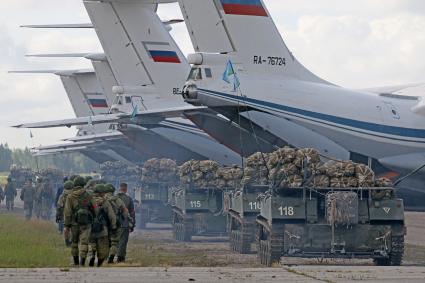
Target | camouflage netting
(20,174)
(117,172)
(202,174)
(159,170)
(342,208)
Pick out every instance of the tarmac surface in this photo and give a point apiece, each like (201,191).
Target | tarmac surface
(248,275)
(240,270)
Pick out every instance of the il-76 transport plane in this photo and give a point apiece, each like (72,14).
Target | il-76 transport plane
(274,90)
(386,126)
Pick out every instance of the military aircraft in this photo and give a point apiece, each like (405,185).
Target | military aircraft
(147,81)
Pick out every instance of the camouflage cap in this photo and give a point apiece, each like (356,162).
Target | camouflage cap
(79,182)
(98,189)
(69,185)
(109,188)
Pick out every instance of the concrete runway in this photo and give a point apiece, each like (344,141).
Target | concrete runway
(334,272)
(248,275)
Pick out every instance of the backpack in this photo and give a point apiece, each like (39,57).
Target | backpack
(101,220)
(117,211)
(83,215)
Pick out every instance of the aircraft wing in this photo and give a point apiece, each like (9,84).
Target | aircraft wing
(103,136)
(145,117)
(64,146)
(57,151)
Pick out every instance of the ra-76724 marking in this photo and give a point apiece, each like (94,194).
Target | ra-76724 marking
(270,60)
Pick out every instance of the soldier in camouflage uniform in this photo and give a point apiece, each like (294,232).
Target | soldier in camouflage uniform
(104,218)
(37,197)
(60,206)
(1,194)
(10,194)
(121,212)
(78,214)
(27,195)
(128,225)
(47,199)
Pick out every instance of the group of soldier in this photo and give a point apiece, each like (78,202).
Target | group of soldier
(38,199)
(8,194)
(97,222)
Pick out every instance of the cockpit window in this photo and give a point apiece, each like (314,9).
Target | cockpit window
(208,73)
(127,99)
(195,74)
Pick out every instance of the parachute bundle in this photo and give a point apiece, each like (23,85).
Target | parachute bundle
(114,172)
(229,177)
(256,170)
(289,167)
(202,174)
(157,170)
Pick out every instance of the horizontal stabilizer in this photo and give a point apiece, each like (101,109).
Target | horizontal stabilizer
(83,25)
(87,25)
(145,117)
(60,55)
(56,72)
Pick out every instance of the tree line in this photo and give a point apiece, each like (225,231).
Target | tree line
(68,163)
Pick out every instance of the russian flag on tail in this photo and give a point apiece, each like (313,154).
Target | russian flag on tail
(164,56)
(244,7)
(98,103)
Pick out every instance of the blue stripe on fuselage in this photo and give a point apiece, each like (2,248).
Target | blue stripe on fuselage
(385,129)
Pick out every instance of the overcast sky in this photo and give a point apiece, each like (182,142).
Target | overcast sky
(358,44)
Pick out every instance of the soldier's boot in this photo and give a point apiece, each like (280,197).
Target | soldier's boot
(83,261)
(121,259)
(111,259)
(100,262)
(91,262)
(76,260)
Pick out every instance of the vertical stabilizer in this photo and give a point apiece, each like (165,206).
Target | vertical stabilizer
(138,46)
(251,32)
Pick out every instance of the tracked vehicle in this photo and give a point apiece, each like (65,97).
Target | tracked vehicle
(197,212)
(153,204)
(331,223)
(243,209)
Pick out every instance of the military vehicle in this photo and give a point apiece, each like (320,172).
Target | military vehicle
(153,204)
(243,209)
(331,223)
(197,212)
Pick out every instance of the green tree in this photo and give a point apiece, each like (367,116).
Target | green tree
(5,157)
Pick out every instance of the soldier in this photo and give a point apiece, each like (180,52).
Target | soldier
(27,195)
(104,218)
(78,218)
(46,199)
(121,212)
(1,194)
(10,194)
(128,225)
(37,197)
(59,193)
(60,207)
